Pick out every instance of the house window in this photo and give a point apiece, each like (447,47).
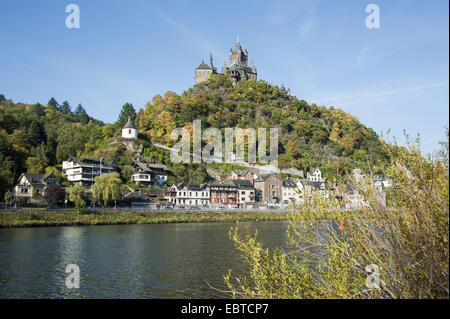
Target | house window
(129,131)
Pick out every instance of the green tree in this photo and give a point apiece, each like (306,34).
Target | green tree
(127,111)
(77,195)
(52,103)
(126,173)
(106,188)
(82,115)
(36,133)
(71,140)
(35,165)
(7,198)
(108,131)
(37,109)
(65,107)
(6,173)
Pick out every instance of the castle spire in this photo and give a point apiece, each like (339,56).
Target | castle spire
(238,47)
(224,68)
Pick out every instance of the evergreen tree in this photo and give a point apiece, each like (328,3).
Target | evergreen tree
(65,108)
(80,109)
(36,133)
(82,115)
(127,111)
(53,103)
(37,109)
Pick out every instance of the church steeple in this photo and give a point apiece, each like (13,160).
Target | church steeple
(211,61)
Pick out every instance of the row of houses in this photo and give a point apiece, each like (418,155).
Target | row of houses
(227,195)
(244,189)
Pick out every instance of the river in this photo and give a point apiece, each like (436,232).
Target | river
(125,261)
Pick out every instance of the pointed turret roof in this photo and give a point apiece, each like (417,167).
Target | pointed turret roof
(129,124)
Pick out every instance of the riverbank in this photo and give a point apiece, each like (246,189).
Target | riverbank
(37,218)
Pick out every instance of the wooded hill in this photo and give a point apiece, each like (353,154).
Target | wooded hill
(37,138)
(310,135)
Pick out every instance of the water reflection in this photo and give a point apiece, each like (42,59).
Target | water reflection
(124,261)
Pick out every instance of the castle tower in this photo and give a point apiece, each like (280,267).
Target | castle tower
(238,55)
(203,71)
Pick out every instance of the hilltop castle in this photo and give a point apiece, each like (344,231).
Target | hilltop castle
(237,70)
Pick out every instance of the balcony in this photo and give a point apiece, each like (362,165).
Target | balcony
(141,178)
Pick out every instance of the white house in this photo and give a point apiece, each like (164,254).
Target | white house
(293,192)
(84,170)
(129,130)
(30,185)
(315,175)
(189,195)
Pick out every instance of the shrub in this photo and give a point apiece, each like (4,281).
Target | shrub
(404,244)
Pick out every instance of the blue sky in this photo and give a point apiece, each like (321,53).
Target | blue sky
(395,77)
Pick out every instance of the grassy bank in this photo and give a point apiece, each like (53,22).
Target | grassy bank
(37,218)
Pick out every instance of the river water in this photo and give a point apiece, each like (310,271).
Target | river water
(125,261)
